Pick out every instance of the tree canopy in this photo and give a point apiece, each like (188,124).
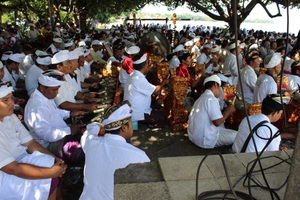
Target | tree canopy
(67,10)
(79,11)
(224,10)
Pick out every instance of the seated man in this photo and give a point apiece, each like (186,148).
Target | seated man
(46,121)
(139,91)
(31,80)
(206,117)
(266,83)
(105,154)
(271,111)
(127,65)
(27,170)
(68,93)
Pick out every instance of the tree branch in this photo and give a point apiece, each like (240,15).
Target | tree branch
(264,5)
(195,4)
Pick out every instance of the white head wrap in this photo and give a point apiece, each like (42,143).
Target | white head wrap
(44,61)
(74,55)
(80,50)
(6,55)
(49,81)
(17,57)
(141,60)
(214,78)
(86,52)
(5,90)
(118,115)
(178,48)
(132,50)
(275,60)
(60,57)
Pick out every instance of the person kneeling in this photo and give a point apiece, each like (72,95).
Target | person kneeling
(105,154)
(206,117)
(265,135)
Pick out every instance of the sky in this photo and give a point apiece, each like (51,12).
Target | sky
(257,13)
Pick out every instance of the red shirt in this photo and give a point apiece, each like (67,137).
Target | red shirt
(182,71)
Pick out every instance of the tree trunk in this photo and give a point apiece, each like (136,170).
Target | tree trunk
(82,19)
(232,24)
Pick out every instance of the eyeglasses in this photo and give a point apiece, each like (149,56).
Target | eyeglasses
(55,75)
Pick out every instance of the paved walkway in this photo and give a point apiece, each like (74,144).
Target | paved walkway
(179,177)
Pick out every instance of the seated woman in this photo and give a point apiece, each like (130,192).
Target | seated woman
(183,71)
(27,170)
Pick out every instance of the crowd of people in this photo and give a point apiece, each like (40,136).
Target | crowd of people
(48,79)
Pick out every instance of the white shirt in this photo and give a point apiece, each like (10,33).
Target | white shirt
(248,79)
(138,92)
(231,67)
(195,49)
(263,52)
(26,64)
(45,120)
(66,92)
(123,76)
(53,49)
(12,77)
(103,155)
(201,130)
(203,59)
(174,62)
(264,85)
(87,67)
(113,59)
(31,80)
(294,81)
(263,132)
(13,134)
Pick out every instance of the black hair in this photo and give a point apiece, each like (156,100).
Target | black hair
(269,105)
(9,61)
(209,84)
(184,56)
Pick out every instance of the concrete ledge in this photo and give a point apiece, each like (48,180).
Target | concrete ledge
(142,191)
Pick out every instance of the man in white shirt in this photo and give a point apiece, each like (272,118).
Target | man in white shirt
(12,75)
(196,48)
(33,34)
(105,154)
(266,83)
(248,76)
(31,80)
(175,62)
(26,167)
(272,110)
(45,120)
(230,65)
(294,78)
(55,46)
(206,117)
(68,93)
(205,58)
(138,91)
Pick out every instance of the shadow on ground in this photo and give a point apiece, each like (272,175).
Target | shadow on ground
(156,143)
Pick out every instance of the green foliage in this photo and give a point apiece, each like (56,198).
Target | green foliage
(8,17)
